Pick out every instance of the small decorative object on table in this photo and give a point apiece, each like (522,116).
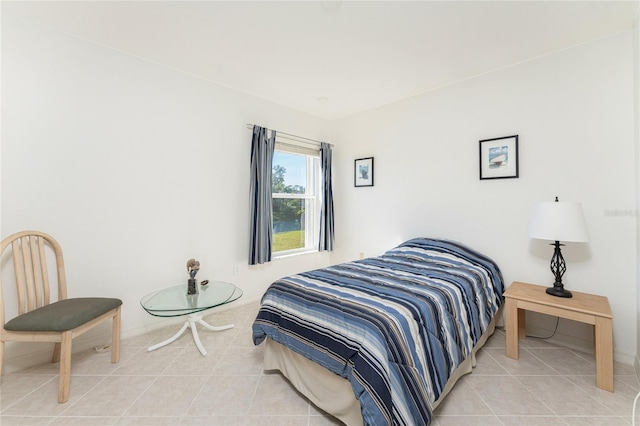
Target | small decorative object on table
(193,266)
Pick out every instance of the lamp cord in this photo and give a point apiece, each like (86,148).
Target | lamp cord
(502,328)
(550,336)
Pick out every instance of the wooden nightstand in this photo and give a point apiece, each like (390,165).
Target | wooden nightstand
(583,307)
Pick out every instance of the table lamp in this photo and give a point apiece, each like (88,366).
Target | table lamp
(558,221)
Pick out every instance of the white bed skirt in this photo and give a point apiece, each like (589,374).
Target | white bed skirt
(332,393)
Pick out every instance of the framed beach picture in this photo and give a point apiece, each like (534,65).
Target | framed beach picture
(499,158)
(363,172)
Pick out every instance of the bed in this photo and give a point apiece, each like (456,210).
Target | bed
(382,340)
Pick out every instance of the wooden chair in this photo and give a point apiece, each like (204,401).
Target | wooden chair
(39,319)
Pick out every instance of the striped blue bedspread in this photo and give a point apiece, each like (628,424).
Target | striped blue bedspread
(396,325)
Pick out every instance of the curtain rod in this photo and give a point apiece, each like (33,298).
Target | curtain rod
(278,132)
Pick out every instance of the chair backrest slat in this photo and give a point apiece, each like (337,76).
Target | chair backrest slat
(28,265)
(39,264)
(18,267)
(44,273)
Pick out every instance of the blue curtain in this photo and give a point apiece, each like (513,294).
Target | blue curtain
(327,233)
(261,225)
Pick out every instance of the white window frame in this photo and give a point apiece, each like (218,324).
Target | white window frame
(312,196)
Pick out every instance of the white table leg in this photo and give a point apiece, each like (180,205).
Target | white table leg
(213,327)
(169,340)
(194,332)
(192,319)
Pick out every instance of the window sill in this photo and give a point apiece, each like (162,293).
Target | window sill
(293,254)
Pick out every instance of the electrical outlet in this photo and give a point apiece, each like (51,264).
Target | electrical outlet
(361,255)
(236,269)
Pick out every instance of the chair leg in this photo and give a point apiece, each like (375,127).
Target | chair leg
(115,337)
(56,353)
(65,367)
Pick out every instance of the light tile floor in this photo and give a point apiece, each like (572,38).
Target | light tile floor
(175,385)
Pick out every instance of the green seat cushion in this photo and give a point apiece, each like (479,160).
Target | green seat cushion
(63,315)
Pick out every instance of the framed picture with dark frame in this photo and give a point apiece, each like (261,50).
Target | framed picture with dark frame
(363,172)
(499,158)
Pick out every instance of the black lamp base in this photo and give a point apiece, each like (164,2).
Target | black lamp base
(558,267)
(559,291)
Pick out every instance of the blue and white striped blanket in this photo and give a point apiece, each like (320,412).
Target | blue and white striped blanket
(396,325)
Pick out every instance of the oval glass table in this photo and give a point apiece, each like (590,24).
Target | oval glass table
(175,302)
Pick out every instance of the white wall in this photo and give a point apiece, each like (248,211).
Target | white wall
(133,167)
(573,112)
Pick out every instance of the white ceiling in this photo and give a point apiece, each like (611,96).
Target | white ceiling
(355,55)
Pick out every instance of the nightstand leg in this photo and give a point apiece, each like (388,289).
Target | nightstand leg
(512,328)
(604,353)
(522,324)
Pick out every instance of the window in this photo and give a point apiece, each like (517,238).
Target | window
(296,203)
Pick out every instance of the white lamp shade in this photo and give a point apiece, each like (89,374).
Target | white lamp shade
(559,221)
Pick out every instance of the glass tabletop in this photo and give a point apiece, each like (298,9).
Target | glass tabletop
(174,301)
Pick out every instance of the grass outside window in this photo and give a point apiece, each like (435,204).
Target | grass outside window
(290,240)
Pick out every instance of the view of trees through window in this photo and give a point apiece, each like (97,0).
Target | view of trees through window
(289,206)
